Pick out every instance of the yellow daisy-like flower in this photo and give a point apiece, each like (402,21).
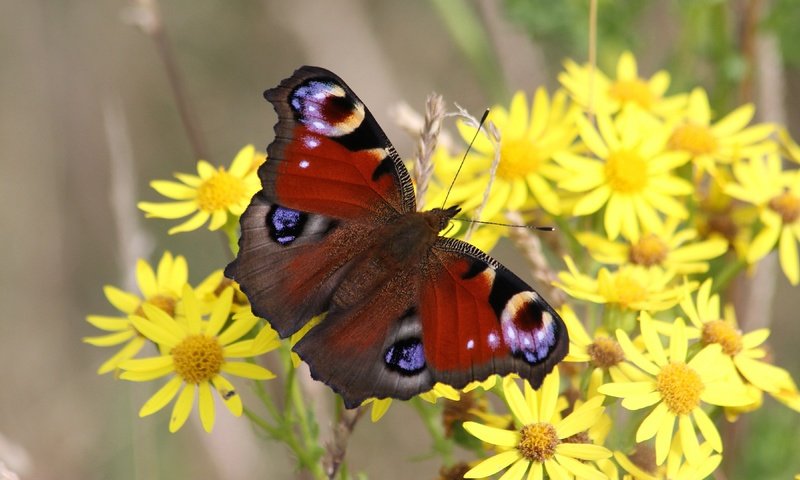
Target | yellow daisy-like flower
(671,248)
(776,192)
(529,137)
(631,287)
(606,358)
(198,352)
(630,174)
(160,288)
(677,388)
(725,141)
(211,194)
(744,350)
(596,93)
(544,441)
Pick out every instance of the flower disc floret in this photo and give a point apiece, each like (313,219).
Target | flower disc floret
(723,333)
(693,138)
(198,358)
(648,251)
(680,386)
(538,442)
(605,352)
(626,171)
(787,206)
(220,191)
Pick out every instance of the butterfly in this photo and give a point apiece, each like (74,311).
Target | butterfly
(335,229)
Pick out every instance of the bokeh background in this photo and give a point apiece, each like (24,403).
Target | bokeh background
(87,118)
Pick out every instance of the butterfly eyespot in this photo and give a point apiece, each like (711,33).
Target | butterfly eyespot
(324,108)
(406,356)
(285,224)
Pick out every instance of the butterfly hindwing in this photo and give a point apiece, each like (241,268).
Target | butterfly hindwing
(330,156)
(478,319)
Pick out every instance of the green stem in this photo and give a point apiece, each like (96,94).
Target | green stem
(430,418)
(727,274)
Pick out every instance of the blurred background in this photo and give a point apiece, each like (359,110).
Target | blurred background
(87,118)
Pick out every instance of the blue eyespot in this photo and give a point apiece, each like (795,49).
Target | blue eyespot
(406,356)
(285,224)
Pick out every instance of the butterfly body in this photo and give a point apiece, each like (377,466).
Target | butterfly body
(335,230)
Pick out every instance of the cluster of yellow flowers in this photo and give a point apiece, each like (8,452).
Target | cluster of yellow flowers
(658,207)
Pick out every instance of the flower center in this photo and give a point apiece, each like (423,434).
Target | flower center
(605,352)
(648,251)
(626,171)
(518,157)
(718,331)
(198,358)
(680,386)
(695,139)
(220,191)
(164,302)
(636,91)
(787,205)
(626,289)
(538,442)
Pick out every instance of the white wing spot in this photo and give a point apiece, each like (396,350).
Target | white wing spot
(470,344)
(304,164)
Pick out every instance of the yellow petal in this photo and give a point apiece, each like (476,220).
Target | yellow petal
(492,435)
(493,464)
(196,221)
(173,190)
(580,470)
(122,300)
(182,408)
(516,402)
(162,397)
(206,406)
(128,351)
(583,451)
(219,314)
(651,424)
(168,210)
(228,394)
(707,428)
(247,370)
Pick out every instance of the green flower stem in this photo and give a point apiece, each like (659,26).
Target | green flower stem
(295,410)
(432,421)
(727,274)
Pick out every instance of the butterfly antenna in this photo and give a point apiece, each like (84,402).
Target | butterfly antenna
(464,159)
(546,228)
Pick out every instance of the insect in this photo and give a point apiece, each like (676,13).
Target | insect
(335,229)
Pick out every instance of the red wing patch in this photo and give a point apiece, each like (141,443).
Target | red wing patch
(330,156)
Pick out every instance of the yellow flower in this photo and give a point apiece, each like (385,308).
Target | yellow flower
(630,173)
(198,352)
(631,287)
(596,93)
(725,141)
(605,356)
(544,441)
(669,248)
(212,194)
(677,388)
(160,288)
(763,183)
(744,350)
(528,140)
(789,148)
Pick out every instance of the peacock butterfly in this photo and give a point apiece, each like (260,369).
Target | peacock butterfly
(335,229)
